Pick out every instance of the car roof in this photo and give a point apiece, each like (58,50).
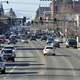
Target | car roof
(48,46)
(10,45)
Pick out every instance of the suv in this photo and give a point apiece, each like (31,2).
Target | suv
(71,43)
(8,53)
(2,65)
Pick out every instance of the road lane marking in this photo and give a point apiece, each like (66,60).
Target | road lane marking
(68,62)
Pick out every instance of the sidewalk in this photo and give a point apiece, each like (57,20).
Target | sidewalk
(78,44)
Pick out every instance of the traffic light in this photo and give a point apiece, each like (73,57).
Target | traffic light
(24,20)
(55,20)
(41,20)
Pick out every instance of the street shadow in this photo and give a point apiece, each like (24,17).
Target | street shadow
(57,55)
(29,48)
(16,64)
(24,61)
(21,64)
(21,73)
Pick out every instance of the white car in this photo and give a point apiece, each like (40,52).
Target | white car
(2,65)
(49,50)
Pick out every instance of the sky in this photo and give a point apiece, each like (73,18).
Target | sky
(24,7)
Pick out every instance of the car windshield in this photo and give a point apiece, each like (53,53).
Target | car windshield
(7,51)
(72,40)
(49,47)
(9,47)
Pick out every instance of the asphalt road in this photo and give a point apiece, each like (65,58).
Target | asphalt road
(31,64)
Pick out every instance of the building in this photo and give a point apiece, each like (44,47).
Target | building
(66,10)
(1,10)
(43,12)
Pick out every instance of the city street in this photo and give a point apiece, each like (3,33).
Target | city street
(40,40)
(31,64)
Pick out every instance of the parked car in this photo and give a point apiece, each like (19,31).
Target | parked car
(2,65)
(8,53)
(49,50)
(71,43)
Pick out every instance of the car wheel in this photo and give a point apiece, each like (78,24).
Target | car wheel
(75,47)
(3,71)
(58,46)
(54,54)
(45,54)
(67,46)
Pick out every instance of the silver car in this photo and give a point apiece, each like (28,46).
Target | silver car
(8,53)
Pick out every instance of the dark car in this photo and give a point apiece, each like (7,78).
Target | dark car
(55,44)
(71,43)
(33,38)
(44,37)
(50,40)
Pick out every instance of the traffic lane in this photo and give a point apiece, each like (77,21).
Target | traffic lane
(72,54)
(22,57)
(74,58)
(23,60)
(64,66)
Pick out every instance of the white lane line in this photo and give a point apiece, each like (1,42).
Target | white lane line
(13,68)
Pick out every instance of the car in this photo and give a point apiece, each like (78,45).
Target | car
(50,40)
(49,50)
(33,38)
(44,37)
(71,43)
(2,65)
(8,53)
(55,44)
(24,41)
